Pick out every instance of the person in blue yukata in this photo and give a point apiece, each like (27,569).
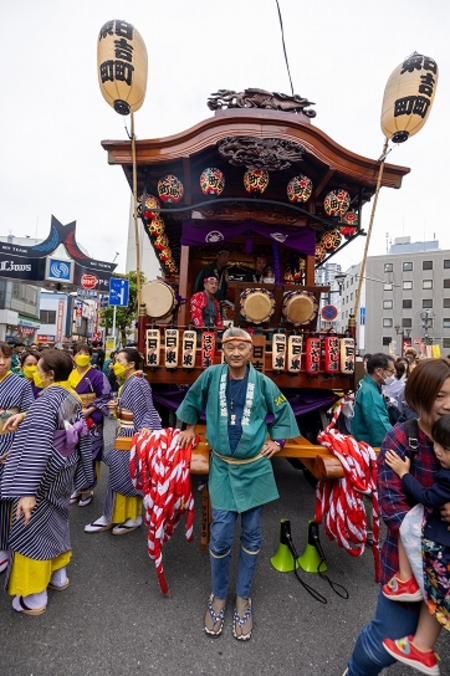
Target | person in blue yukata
(237,399)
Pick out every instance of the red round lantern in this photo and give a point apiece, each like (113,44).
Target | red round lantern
(256,180)
(161,242)
(212,181)
(149,209)
(170,189)
(331,240)
(320,252)
(156,227)
(299,188)
(337,202)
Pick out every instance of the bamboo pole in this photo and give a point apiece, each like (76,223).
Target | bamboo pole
(135,215)
(369,231)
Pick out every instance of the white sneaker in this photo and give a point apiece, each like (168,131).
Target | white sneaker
(128,526)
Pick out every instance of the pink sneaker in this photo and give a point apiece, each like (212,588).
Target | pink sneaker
(399,590)
(404,650)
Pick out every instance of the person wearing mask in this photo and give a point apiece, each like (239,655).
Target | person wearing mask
(28,365)
(393,389)
(216,269)
(370,421)
(135,412)
(427,392)
(94,390)
(50,453)
(237,400)
(205,309)
(16,396)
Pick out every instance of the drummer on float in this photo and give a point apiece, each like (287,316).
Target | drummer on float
(204,306)
(257,275)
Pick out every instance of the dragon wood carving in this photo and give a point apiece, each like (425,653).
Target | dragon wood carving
(271,154)
(260,98)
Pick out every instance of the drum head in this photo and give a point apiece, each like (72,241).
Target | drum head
(159,299)
(299,307)
(257,305)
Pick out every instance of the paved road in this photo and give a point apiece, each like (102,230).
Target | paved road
(114,621)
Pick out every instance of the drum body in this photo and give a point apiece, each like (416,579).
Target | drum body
(159,299)
(299,307)
(257,305)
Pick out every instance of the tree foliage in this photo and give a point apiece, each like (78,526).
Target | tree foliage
(126,317)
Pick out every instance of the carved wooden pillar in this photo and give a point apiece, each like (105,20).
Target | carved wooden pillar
(183,315)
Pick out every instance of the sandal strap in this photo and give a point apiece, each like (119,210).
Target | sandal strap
(215,618)
(242,620)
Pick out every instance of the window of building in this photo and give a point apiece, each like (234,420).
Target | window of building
(387,323)
(407,323)
(446,283)
(389,267)
(427,302)
(406,304)
(407,285)
(407,267)
(427,283)
(427,265)
(446,323)
(351,295)
(446,302)
(387,340)
(446,343)
(48,317)
(446,263)
(388,286)
(388,304)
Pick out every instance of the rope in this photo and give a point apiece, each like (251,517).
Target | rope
(161,470)
(340,503)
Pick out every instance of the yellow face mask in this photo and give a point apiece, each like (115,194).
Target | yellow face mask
(82,360)
(38,380)
(119,370)
(29,371)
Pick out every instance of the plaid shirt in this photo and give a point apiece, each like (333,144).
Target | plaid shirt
(394,501)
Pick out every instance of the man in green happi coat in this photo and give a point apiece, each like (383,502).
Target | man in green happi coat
(237,399)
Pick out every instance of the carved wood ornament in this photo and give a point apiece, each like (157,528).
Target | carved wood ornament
(271,154)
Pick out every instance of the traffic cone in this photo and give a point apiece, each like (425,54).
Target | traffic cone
(313,556)
(284,561)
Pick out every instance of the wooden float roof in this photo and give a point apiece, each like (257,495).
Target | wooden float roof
(187,154)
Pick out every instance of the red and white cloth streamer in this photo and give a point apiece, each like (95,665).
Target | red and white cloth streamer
(161,470)
(339,503)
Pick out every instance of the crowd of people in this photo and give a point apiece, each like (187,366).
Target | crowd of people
(51,446)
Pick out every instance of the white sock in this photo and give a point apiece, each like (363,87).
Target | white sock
(59,577)
(133,522)
(32,601)
(102,521)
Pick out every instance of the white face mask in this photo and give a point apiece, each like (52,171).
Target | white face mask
(389,380)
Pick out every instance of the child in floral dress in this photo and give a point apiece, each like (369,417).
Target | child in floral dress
(424,556)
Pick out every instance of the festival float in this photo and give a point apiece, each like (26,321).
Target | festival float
(256,177)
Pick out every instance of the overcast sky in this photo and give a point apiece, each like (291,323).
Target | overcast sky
(53,116)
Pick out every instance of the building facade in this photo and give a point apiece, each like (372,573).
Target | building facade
(405,298)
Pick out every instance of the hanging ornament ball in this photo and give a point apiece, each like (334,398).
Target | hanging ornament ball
(337,202)
(256,180)
(299,188)
(320,252)
(156,226)
(149,210)
(212,181)
(170,189)
(348,231)
(331,240)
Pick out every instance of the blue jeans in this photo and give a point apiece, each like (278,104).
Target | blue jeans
(221,538)
(392,620)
